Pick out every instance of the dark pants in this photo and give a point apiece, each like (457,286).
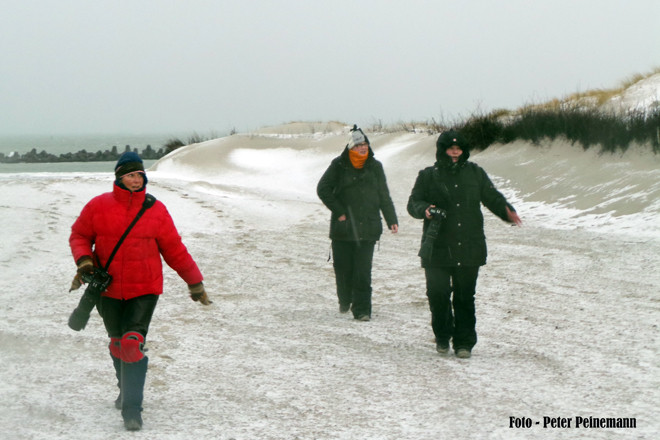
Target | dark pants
(133,315)
(352,262)
(453,318)
(120,317)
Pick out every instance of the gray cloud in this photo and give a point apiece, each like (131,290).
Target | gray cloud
(165,66)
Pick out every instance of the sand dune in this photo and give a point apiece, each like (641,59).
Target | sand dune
(567,306)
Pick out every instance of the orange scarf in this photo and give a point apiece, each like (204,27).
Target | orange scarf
(357,159)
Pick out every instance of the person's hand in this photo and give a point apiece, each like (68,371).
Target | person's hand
(342,218)
(85,265)
(76,283)
(427,213)
(513,217)
(394,229)
(197,293)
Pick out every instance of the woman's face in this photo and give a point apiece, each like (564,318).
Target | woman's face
(361,149)
(454,152)
(133,181)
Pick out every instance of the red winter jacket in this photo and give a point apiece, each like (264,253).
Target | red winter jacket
(136,268)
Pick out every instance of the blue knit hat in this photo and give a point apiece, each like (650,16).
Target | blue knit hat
(129,162)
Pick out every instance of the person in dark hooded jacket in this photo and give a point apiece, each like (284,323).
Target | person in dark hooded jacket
(355,190)
(448,196)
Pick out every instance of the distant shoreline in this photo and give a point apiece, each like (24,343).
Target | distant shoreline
(111,155)
(63,167)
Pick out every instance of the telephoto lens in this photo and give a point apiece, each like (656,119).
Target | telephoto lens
(80,316)
(98,282)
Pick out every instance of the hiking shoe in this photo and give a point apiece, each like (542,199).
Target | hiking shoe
(133,424)
(363,318)
(463,353)
(442,347)
(344,308)
(132,418)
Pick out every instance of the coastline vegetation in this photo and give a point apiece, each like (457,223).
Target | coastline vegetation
(588,127)
(80,156)
(111,155)
(582,118)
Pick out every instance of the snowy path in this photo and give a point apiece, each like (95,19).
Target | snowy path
(567,324)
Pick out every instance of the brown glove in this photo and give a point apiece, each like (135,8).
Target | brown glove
(85,265)
(197,293)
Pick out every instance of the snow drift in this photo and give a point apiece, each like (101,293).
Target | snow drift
(567,307)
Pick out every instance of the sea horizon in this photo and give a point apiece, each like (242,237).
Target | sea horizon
(63,167)
(71,143)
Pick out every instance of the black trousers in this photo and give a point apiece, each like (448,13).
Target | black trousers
(120,317)
(352,263)
(133,315)
(453,317)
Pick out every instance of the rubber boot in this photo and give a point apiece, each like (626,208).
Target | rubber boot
(117,364)
(133,376)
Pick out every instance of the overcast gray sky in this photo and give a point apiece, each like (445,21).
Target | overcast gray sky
(158,66)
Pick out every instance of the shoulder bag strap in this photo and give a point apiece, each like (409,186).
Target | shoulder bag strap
(149,201)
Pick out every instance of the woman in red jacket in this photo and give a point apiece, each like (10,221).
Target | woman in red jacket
(136,269)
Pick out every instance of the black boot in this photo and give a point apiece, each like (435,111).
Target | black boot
(133,376)
(117,364)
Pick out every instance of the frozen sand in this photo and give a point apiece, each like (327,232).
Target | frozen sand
(567,307)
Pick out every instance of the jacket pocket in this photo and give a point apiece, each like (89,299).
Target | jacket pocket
(375,225)
(341,230)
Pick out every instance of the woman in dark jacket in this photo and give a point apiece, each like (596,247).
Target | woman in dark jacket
(354,188)
(448,196)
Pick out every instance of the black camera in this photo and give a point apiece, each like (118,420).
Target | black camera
(99,279)
(437,213)
(431,234)
(97,283)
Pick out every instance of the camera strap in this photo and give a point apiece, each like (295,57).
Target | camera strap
(149,201)
(440,186)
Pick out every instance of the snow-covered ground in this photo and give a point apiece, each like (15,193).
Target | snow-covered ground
(567,306)
(640,96)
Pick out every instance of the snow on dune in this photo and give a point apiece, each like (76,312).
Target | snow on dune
(567,306)
(562,186)
(558,184)
(641,96)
